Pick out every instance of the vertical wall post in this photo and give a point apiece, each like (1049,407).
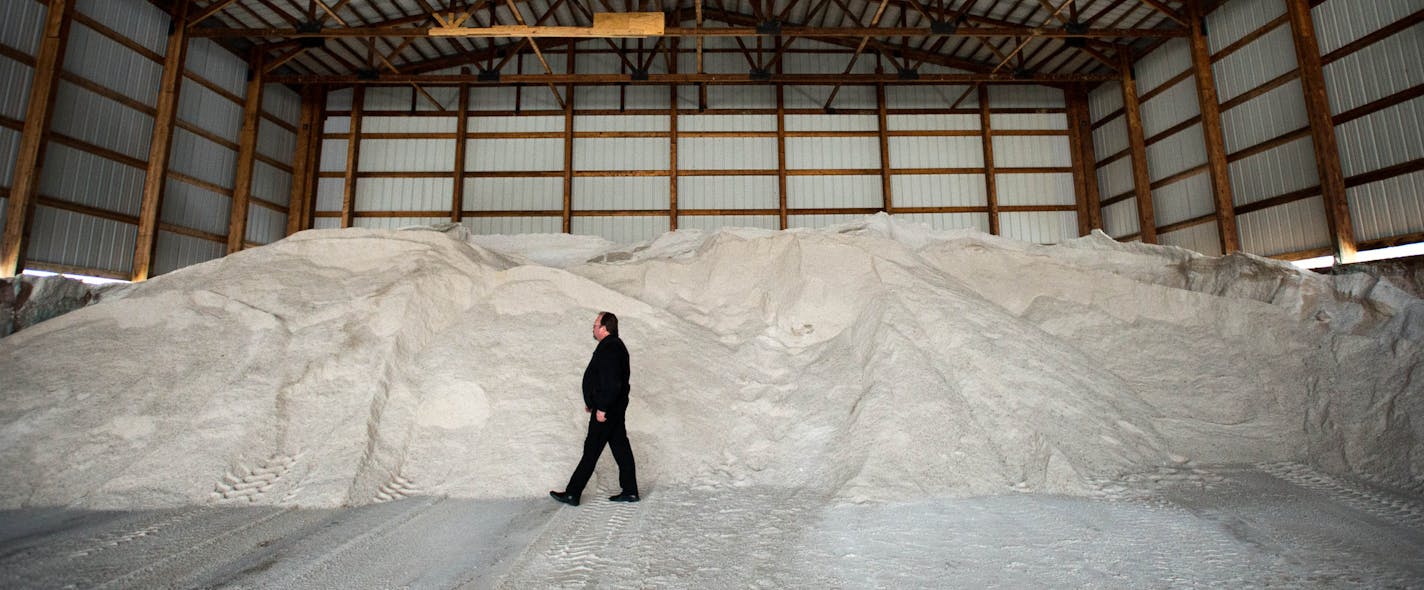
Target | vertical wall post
(1322,132)
(1141,182)
(160,147)
(569,145)
(1085,173)
(781,153)
(304,162)
(246,154)
(29,160)
(672,141)
(887,198)
(353,156)
(1211,133)
(987,139)
(462,132)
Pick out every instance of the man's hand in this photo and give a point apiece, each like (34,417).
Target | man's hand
(601,417)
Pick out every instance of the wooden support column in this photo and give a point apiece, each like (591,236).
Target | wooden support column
(781,153)
(1141,182)
(1085,173)
(672,142)
(1211,133)
(887,198)
(986,134)
(314,157)
(160,147)
(462,131)
(353,157)
(1322,132)
(246,155)
(29,160)
(304,160)
(569,145)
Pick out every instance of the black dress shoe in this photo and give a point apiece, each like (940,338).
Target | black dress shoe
(566,498)
(623,498)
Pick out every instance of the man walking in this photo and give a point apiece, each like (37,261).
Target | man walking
(605,398)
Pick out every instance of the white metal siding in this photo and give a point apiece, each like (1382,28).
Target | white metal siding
(1389,207)
(1231,21)
(1033,189)
(210,111)
(15,80)
(498,98)
(814,97)
(403,194)
(713,223)
(945,221)
(175,251)
(282,102)
(1383,138)
(111,65)
(1105,99)
(1025,96)
(936,152)
(1120,218)
(689,123)
(1115,178)
(326,223)
(1341,22)
(608,97)
(622,123)
(74,239)
(211,62)
(817,221)
(740,97)
(1265,117)
(1264,59)
(1110,138)
(938,190)
(265,226)
(333,155)
(620,153)
(329,192)
(832,152)
(1049,121)
(409,124)
(620,192)
(1173,106)
(514,225)
(271,184)
(196,208)
(818,192)
(1286,228)
(275,141)
(932,122)
(87,116)
(515,154)
(138,20)
(1164,63)
(1031,151)
(396,222)
(624,230)
(726,153)
(514,194)
(23,25)
(1042,227)
(407,155)
(1200,238)
(521,124)
(1386,67)
(9,149)
(1284,169)
(200,158)
(1180,151)
(1185,199)
(927,96)
(73,175)
(832,123)
(728,192)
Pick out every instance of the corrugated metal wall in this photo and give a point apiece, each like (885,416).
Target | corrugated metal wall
(112,124)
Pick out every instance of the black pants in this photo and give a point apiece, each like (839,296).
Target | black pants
(614,434)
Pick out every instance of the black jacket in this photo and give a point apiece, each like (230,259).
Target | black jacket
(605,381)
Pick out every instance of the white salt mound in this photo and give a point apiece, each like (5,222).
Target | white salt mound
(878,360)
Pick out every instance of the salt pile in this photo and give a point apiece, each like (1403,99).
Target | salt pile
(874,361)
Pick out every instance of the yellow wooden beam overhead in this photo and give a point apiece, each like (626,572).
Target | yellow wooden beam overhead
(605,24)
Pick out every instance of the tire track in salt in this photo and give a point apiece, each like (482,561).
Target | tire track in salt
(577,548)
(1394,508)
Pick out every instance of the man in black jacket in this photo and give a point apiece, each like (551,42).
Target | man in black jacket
(605,398)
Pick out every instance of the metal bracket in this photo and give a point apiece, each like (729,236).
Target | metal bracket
(759,74)
(488,76)
(771,27)
(640,75)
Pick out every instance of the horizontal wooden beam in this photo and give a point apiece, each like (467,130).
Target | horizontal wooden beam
(605,25)
(706,78)
(851,32)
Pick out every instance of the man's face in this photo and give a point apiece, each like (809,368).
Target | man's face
(598,330)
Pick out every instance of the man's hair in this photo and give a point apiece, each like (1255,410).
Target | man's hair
(609,321)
